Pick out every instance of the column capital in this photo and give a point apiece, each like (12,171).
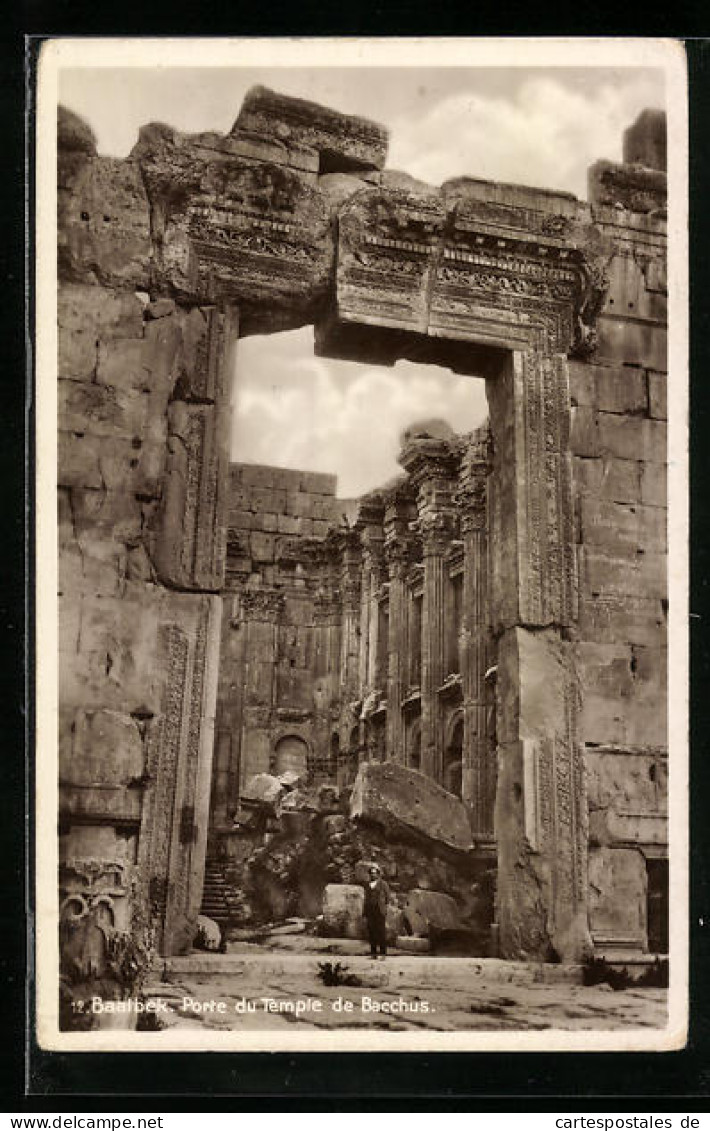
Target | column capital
(429,459)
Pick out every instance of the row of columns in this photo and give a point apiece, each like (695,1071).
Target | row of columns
(446,496)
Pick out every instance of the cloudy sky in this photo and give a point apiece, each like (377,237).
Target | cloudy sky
(529,125)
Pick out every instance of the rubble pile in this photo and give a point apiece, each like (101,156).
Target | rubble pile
(302,852)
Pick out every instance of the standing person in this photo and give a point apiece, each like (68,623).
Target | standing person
(376,899)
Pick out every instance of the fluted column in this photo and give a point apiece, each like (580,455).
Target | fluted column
(432,465)
(434,646)
(350,585)
(479,769)
(375,567)
(397,554)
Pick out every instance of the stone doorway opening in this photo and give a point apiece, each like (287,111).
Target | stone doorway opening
(362,618)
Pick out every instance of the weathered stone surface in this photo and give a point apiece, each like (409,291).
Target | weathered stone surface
(608,388)
(344,143)
(626,781)
(617,884)
(397,798)
(426,909)
(607,617)
(339,187)
(107,749)
(632,438)
(74,135)
(640,575)
(618,480)
(633,343)
(98,311)
(104,222)
(654,484)
(538,759)
(343,906)
(645,140)
(625,697)
(209,935)
(619,528)
(657,395)
(255,233)
(263,789)
(637,291)
(631,186)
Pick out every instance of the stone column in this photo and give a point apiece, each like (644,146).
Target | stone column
(350,596)
(350,599)
(479,769)
(432,465)
(261,612)
(397,556)
(370,522)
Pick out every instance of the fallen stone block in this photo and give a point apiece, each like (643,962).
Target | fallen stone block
(425,910)
(294,927)
(208,936)
(263,789)
(290,779)
(343,906)
(406,803)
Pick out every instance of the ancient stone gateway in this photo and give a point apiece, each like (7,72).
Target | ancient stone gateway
(558,708)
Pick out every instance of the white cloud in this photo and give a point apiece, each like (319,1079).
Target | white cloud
(296,410)
(547,134)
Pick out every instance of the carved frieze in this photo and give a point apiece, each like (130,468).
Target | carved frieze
(502,275)
(229,229)
(388,242)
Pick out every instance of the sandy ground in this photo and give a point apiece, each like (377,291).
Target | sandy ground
(265,990)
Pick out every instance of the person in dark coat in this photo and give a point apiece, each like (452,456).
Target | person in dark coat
(376,899)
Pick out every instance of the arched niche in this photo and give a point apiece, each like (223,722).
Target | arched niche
(291,754)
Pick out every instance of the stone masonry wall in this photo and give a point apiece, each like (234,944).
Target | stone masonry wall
(141,415)
(272,685)
(618,442)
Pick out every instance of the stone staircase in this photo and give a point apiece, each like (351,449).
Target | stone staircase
(215,903)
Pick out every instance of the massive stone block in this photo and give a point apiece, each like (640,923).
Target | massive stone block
(343,143)
(103,214)
(343,906)
(407,802)
(426,909)
(617,884)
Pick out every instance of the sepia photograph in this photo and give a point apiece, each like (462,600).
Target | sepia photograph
(362,545)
